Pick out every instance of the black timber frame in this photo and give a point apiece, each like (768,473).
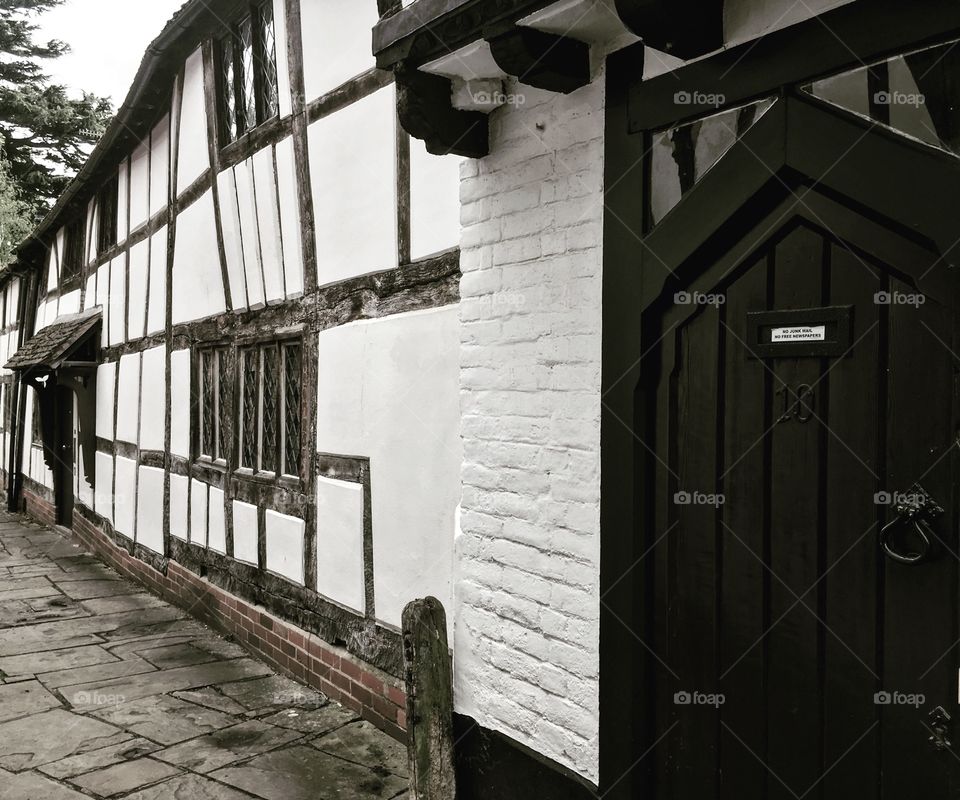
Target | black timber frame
(742,184)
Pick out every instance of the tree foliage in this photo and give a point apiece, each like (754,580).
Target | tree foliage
(45,133)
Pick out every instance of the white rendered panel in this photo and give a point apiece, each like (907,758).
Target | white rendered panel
(179,493)
(194,157)
(353,166)
(340,542)
(290,218)
(285,545)
(128,398)
(246,533)
(150,509)
(153,406)
(197,277)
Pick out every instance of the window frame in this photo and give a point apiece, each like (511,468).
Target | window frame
(233,125)
(73,259)
(108,214)
(279,463)
(223,405)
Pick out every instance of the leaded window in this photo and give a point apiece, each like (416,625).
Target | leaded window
(270,439)
(213,380)
(249,87)
(108,201)
(72,261)
(37,429)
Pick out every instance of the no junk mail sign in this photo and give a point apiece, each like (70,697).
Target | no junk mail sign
(798,333)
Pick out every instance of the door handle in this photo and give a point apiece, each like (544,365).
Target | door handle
(914,509)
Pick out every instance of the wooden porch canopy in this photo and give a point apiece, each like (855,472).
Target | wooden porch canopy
(70,343)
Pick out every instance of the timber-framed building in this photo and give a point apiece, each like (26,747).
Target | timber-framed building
(626,328)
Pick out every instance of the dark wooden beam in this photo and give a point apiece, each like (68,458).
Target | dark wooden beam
(425,111)
(542,60)
(846,37)
(683,28)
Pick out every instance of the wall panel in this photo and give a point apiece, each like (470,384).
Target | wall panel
(128,399)
(194,158)
(197,277)
(153,407)
(150,509)
(353,164)
(340,543)
(337,42)
(285,546)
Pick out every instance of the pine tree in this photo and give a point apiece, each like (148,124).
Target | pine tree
(46,134)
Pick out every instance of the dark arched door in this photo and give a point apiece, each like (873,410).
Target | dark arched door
(800,596)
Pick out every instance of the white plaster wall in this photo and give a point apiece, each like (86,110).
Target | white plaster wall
(388,390)
(157,310)
(139,268)
(340,542)
(150,509)
(160,166)
(125,504)
(232,239)
(336,36)
(179,507)
(153,399)
(106,390)
(69,303)
(197,279)
(290,218)
(284,535)
(103,499)
(123,197)
(434,201)
(194,157)
(217,530)
(103,300)
(268,223)
(249,233)
(527,599)
(353,167)
(128,399)
(180,403)
(118,311)
(140,185)
(198,512)
(245,533)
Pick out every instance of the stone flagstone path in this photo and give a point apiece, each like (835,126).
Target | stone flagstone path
(107,691)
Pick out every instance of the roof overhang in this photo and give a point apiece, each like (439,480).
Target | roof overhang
(68,344)
(450,57)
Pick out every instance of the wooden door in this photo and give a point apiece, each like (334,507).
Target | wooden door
(799,387)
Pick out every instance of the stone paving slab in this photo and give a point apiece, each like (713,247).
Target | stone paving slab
(107,691)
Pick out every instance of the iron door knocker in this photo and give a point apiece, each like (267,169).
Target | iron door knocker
(914,509)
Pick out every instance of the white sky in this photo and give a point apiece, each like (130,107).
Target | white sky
(107,38)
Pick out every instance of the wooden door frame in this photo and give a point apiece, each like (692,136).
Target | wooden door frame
(766,159)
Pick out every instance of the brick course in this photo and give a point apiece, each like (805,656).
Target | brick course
(376,696)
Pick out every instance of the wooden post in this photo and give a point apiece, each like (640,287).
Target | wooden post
(429,701)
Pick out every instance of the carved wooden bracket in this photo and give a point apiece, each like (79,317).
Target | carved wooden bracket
(542,60)
(683,28)
(425,112)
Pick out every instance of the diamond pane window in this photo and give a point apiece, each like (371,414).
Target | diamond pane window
(208,403)
(223,404)
(213,386)
(269,409)
(291,409)
(248,93)
(248,72)
(228,90)
(249,410)
(269,91)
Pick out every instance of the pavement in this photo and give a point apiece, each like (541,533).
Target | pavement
(108,691)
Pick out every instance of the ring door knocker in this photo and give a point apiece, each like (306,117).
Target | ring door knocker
(914,511)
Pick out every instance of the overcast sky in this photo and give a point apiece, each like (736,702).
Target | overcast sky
(108,39)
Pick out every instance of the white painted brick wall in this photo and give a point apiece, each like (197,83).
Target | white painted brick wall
(527,601)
